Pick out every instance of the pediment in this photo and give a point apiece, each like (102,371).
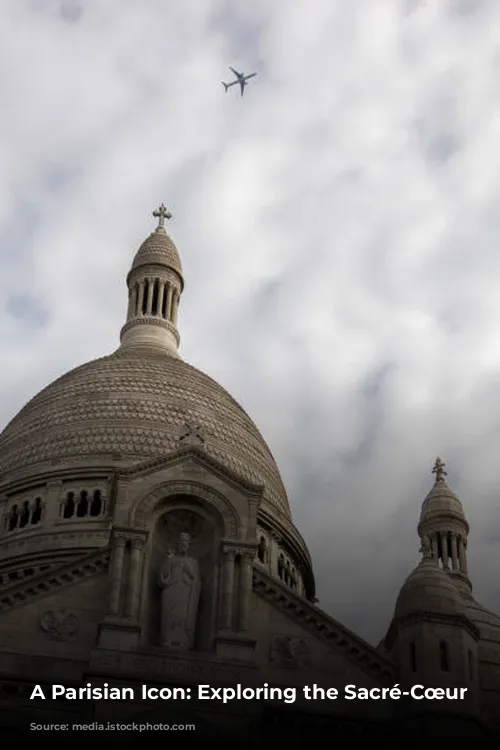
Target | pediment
(196,462)
(312,624)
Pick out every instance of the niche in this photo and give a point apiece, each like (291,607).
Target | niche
(180,516)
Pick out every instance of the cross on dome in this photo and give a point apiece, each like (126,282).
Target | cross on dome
(161,214)
(439,470)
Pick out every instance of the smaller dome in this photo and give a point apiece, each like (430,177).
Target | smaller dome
(428,589)
(441,500)
(158,249)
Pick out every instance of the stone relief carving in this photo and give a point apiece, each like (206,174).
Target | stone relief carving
(191,435)
(60,625)
(290,652)
(180,581)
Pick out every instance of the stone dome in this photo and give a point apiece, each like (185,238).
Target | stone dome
(131,406)
(428,588)
(441,500)
(158,249)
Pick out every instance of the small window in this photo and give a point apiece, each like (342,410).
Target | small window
(413,656)
(471,665)
(443,657)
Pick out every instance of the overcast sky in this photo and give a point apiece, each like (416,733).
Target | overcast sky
(338,226)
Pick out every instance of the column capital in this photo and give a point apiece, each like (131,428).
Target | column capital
(229,552)
(137,543)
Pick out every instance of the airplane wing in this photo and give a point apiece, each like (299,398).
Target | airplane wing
(252,75)
(238,75)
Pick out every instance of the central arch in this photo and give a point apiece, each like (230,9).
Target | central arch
(144,514)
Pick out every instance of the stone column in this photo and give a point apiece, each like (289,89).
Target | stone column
(247,558)
(444,550)
(175,307)
(141,298)
(134,578)
(228,588)
(116,574)
(168,308)
(454,551)
(462,555)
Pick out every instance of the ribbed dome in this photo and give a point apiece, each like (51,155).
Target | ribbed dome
(428,589)
(441,500)
(158,248)
(135,403)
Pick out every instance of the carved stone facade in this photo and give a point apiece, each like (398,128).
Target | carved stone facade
(108,468)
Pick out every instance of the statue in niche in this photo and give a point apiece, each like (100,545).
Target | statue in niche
(180,581)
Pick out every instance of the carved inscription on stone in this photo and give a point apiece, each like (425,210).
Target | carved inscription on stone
(289,653)
(59,625)
(183,669)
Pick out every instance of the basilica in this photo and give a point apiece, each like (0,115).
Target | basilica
(146,539)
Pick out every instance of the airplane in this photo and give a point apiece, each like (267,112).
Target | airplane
(240,78)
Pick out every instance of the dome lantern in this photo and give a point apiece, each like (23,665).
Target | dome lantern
(155,284)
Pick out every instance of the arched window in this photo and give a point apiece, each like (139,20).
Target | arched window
(12,519)
(262,550)
(83,505)
(444,661)
(69,505)
(96,504)
(281,567)
(413,656)
(24,518)
(36,513)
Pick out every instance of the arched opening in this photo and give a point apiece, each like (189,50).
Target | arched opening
(36,514)
(24,518)
(69,505)
(444,661)
(12,518)
(281,567)
(154,303)
(145,297)
(83,505)
(96,504)
(182,515)
(164,301)
(262,550)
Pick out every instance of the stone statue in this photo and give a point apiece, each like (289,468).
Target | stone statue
(179,579)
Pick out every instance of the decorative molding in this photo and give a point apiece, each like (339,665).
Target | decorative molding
(288,652)
(456,620)
(142,512)
(55,580)
(354,648)
(60,625)
(198,454)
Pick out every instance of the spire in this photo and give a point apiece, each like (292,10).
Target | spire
(155,284)
(443,528)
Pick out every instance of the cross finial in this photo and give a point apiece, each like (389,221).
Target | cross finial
(161,214)
(438,470)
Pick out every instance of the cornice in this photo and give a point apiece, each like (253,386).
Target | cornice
(203,459)
(457,620)
(336,635)
(38,586)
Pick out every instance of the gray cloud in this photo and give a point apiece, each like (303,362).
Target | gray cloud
(338,228)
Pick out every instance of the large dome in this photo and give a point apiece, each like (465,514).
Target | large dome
(132,406)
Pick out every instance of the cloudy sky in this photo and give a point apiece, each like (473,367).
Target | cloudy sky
(338,226)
